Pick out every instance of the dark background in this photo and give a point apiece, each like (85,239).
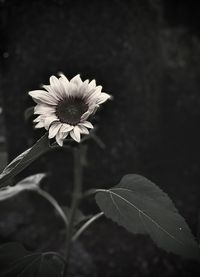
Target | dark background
(146,53)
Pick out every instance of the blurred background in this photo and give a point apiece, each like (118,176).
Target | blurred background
(146,53)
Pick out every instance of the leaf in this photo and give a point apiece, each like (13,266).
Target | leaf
(16,261)
(24,159)
(141,207)
(29,183)
(32,183)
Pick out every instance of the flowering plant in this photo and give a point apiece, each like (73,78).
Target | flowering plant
(65,108)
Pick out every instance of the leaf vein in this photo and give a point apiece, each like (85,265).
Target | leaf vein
(146,215)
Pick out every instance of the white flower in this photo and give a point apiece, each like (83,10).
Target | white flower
(64,106)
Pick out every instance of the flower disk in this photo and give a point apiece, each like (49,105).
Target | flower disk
(64,106)
(70,110)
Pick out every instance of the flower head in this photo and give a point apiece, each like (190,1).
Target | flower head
(64,106)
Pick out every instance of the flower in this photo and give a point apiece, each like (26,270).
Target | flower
(64,106)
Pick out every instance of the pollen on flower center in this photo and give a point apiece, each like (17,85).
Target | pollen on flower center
(70,110)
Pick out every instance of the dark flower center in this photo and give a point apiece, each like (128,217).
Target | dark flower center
(71,109)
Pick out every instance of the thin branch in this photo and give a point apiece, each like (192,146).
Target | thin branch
(89,192)
(86,225)
(92,191)
(55,204)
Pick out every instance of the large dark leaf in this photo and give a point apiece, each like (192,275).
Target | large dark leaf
(16,261)
(24,159)
(141,207)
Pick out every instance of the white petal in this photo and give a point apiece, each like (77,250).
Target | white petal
(98,89)
(77,80)
(75,134)
(42,97)
(72,89)
(48,88)
(52,92)
(40,125)
(89,95)
(85,115)
(59,141)
(65,134)
(60,137)
(44,109)
(102,98)
(53,81)
(92,109)
(87,124)
(92,84)
(63,77)
(57,86)
(54,128)
(83,129)
(38,119)
(65,87)
(66,128)
(83,88)
(93,97)
(49,120)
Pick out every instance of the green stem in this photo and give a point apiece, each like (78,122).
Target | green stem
(55,204)
(89,192)
(75,200)
(86,225)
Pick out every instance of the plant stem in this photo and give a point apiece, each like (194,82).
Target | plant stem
(86,225)
(89,192)
(55,204)
(75,200)
(92,192)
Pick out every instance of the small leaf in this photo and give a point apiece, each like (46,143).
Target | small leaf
(24,159)
(16,261)
(29,183)
(141,207)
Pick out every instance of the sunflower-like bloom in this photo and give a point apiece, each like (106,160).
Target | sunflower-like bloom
(64,106)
